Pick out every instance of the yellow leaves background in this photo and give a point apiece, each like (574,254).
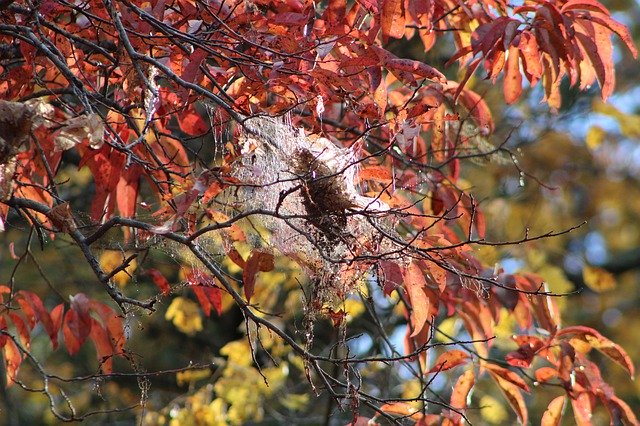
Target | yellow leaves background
(112,259)
(185,315)
(597,279)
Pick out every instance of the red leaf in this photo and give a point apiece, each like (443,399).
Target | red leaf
(553,414)
(56,321)
(236,258)
(42,315)
(193,124)
(77,323)
(529,347)
(159,280)
(209,297)
(404,69)
(335,12)
(70,340)
(127,190)
(192,71)
(104,350)
(392,276)
(595,42)
(3,327)
(624,412)
(206,290)
(392,18)
(106,165)
(258,261)
(567,357)
(449,360)
(439,275)
(415,284)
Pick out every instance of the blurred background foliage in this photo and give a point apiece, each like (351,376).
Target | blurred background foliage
(578,167)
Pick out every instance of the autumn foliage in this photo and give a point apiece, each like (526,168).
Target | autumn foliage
(298,163)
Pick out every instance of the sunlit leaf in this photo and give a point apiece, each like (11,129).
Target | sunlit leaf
(449,360)
(553,414)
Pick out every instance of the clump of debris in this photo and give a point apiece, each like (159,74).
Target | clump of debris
(313,209)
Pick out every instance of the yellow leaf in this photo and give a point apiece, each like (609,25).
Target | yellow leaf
(294,401)
(238,352)
(191,376)
(111,259)
(185,315)
(492,410)
(597,279)
(448,327)
(216,414)
(594,137)
(353,308)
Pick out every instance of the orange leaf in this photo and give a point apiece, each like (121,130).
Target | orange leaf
(380,174)
(27,311)
(595,41)
(112,323)
(400,408)
(582,409)
(392,18)
(438,139)
(22,329)
(621,30)
(507,375)
(461,390)
(530,53)
(601,343)
(439,275)
(415,283)
(544,374)
(553,414)
(12,359)
(449,360)
(512,79)
(513,395)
